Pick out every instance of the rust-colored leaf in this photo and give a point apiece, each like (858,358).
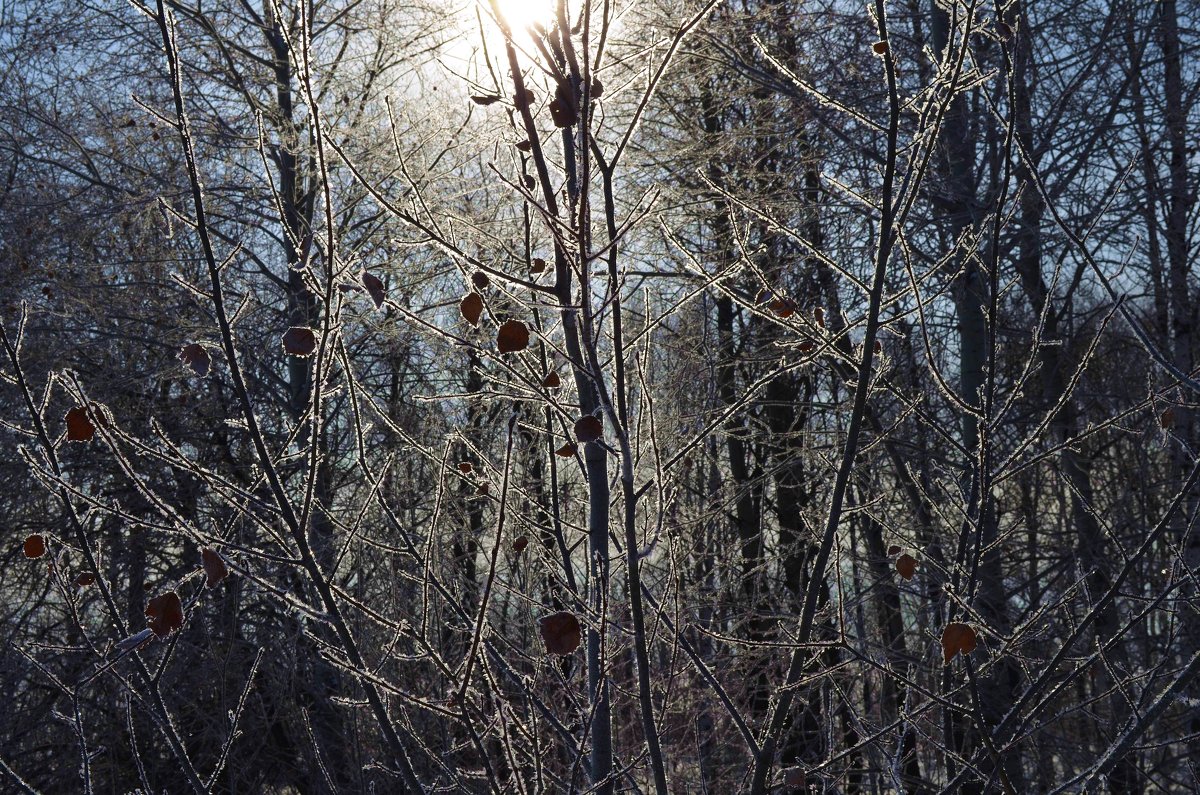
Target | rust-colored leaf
(957,638)
(560,632)
(819,316)
(480,280)
(906,566)
(482,490)
(1166,420)
(35,546)
(164,614)
(196,357)
(215,569)
(85,579)
(567,450)
(299,341)
(589,428)
(374,286)
(471,307)
(807,346)
(512,336)
(552,381)
(465,467)
(537,265)
(893,550)
(783,307)
(79,425)
(520,544)
(880,47)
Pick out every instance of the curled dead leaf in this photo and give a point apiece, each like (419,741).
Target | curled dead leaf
(783,307)
(957,637)
(35,546)
(374,287)
(471,308)
(164,614)
(512,336)
(299,341)
(215,569)
(589,428)
(561,632)
(79,425)
(567,450)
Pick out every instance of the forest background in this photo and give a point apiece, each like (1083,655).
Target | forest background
(607,395)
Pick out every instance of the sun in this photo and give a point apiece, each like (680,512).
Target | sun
(522,14)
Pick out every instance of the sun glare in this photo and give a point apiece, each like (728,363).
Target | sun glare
(521,14)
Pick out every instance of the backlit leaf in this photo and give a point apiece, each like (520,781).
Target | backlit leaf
(560,632)
(567,450)
(35,546)
(552,381)
(471,308)
(512,336)
(957,638)
(783,307)
(215,569)
(164,614)
(906,566)
(79,425)
(589,428)
(374,288)
(299,341)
